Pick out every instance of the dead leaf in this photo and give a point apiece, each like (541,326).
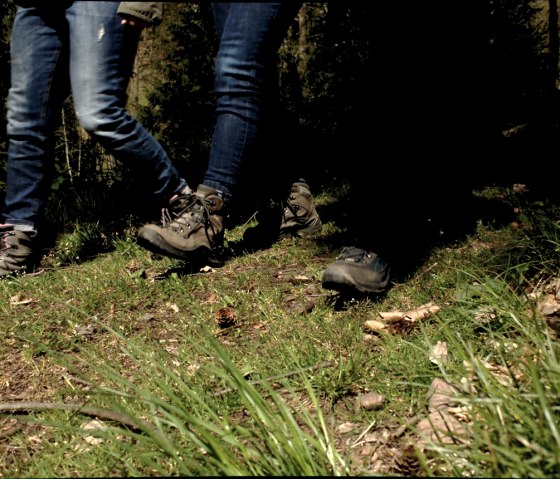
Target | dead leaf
(211,299)
(346,427)
(441,428)
(173,307)
(370,401)
(438,354)
(90,440)
(463,413)
(549,306)
(370,338)
(443,424)
(501,373)
(441,394)
(307,307)
(86,330)
(485,315)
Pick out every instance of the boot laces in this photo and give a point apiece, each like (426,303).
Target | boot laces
(177,206)
(294,208)
(189,211)
(355,255)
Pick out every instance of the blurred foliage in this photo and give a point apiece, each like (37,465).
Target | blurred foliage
(180,103)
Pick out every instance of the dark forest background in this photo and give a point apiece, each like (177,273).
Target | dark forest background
(404,100)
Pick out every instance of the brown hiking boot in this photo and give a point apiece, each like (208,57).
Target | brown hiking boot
(191,226)
(294,217)
(18,252)
(299,216)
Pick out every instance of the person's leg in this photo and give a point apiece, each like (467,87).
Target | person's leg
(102,53)
(250,131)
(38,87)
(250,35)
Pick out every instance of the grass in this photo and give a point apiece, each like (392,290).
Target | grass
(252,368)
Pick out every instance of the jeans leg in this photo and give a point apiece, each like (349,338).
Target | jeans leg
(250,35)
(102,54)
(39,73)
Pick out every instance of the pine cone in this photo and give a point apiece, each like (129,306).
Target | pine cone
(406,463)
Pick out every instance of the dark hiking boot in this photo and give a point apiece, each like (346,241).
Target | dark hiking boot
(294,217)
(18,252)
(299,216)
(192,226)
(357,269)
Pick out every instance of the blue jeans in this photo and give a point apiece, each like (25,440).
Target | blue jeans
(81,47)
(250,35)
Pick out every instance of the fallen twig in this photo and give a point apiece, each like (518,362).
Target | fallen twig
(133,423)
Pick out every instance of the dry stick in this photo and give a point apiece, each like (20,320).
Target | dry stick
(361,436)
(136,424)
(122,418)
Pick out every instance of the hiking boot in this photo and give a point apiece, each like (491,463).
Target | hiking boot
(357,269)
(191,226)
(299,216)
(17,253)
(294,217)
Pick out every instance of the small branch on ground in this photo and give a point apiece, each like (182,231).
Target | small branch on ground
(133,423)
